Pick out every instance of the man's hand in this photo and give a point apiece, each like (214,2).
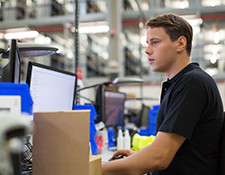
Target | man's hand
(123,152)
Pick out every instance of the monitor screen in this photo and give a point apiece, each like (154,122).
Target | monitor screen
(51,89)
(11,72)
(114,108)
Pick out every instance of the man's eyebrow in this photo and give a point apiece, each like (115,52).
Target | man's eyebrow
(152,39)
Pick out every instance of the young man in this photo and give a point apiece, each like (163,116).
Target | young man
(190,117)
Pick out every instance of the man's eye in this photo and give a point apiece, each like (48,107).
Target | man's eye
(154,42)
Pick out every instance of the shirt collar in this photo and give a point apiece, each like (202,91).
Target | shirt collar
(182,72)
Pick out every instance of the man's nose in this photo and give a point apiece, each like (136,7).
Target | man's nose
(148,50)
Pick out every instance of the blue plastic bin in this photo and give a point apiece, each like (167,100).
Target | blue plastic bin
(93,114)
(111,137)
(152,120)
(93,131)
(21,90)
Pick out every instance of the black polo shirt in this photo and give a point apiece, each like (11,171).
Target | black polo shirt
(191,106)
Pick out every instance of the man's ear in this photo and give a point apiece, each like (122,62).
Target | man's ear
(181,43)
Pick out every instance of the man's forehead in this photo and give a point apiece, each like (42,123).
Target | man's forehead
(156,32)
(154,29)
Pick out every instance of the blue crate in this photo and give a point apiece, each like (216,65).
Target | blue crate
(93,131)
(93,114)
(152,120)
(21,90)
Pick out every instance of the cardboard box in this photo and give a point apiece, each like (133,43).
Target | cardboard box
(95,165)
(61,143)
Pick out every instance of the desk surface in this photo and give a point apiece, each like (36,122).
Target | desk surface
(106,154)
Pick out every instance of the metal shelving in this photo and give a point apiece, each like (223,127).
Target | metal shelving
(59,27)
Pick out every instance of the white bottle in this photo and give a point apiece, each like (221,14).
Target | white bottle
(105,139)
(127,140)
(120,140)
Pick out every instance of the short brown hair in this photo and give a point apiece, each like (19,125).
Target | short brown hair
(175,26)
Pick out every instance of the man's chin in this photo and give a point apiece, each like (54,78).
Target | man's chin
(154,69)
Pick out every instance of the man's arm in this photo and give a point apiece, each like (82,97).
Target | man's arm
(156,156)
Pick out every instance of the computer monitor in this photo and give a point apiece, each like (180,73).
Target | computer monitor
(114,108)
(51,89)
(11,71)
(99,103)
(143,117)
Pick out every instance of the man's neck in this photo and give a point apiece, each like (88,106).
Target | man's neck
(178,66)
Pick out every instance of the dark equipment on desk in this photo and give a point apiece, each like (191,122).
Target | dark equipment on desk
(30,50)
(143,117)
(16,51)
(11,72)
(12,130)
(26,157)
(99,98)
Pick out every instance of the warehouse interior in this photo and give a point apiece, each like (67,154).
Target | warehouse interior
(111,40)
(103,40)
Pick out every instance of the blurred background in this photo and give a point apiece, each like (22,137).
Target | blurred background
(111,37)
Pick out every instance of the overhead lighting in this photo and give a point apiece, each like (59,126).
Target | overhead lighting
(181,4)
(41,39)
(215,49)
(93,27)
(214,58)
(1,35)
(216,37)
(212,71)
(212,3)
(21,35)
(195,21)
(143,41)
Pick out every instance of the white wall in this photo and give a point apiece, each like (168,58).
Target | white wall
(154,91)
(150,91)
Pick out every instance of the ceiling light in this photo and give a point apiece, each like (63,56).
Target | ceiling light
(40,39)
(213,59)
(195,21)
(215,49)
(212,3)
(216,37)
(21,35)
(143,41)
(181,4)
(94,29)
(212,71)
(1,35)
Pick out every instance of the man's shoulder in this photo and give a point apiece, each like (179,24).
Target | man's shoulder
(197,74)
(197,78)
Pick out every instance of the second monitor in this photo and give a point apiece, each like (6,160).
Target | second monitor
(114,108)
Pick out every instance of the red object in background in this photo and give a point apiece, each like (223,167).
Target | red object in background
(79,73)
(99,141)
